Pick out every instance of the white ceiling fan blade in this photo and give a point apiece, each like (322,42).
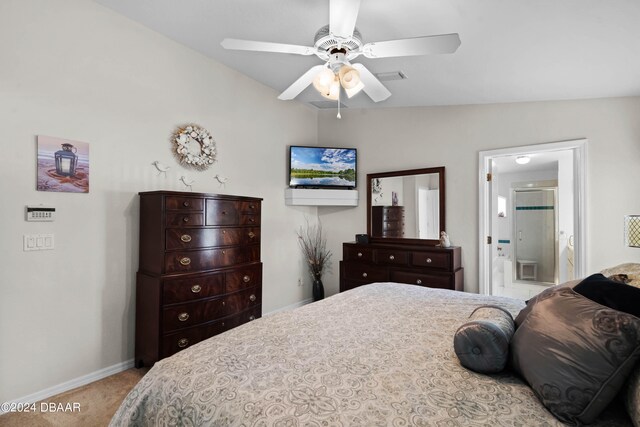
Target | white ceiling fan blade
(235,44)
(300,84)
(372,86)
(342,17)
(445,43)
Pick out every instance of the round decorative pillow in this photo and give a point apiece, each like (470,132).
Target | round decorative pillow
(482,344)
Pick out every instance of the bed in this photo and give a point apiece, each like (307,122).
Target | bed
(378,355)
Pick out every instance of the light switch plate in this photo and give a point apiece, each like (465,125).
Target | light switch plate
(38,242)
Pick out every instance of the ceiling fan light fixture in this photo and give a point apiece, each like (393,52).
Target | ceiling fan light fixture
(349,77)
(322,82)
(333,91)
(354,90)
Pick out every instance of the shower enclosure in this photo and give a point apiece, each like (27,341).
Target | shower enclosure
(535,231)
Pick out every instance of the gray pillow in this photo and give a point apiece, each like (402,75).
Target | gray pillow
(575,353)
(525,311)
(482,344)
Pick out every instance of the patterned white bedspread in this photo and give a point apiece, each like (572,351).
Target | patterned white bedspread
(378,355)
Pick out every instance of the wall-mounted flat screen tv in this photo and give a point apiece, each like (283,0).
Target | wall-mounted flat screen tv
(322,167)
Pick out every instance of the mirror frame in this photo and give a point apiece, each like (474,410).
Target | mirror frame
(427,242)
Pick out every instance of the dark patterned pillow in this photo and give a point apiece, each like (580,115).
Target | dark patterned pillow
(613,294)
(631,396)
(482,344)
(575,353)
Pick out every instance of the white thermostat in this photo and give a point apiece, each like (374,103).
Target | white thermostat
(41,213)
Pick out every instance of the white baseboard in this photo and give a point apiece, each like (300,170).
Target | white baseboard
(111,370)
(289,307)
(74,383)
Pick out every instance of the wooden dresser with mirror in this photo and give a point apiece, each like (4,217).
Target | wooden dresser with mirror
(405,215)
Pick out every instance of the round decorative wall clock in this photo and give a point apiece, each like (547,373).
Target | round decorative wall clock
(194,146)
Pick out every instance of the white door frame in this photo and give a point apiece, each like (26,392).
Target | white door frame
(579,148)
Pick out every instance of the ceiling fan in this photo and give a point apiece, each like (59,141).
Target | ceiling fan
(339,43)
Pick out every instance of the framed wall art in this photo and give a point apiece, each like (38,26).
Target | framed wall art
(63,165)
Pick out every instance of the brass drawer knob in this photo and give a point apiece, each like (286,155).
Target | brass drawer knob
(252,220)
(252,234)
(185,260)
(359,254)
(186,203)
(391,257)
(252,298)
(252,317)
(224,252)
(419,282)
(196,288)
(185,238)
(224,231)
(428,260)
(183,342)
(364,274)
(224,303)
(246,278)
(185,219)
(224,212)
(252,206)
(183,317)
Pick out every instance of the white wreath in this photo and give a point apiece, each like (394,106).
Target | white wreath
(194,146)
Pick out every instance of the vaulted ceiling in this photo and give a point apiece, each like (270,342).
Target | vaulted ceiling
(511,51)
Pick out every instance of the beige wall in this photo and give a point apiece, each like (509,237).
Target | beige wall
(73,69)
(394,139)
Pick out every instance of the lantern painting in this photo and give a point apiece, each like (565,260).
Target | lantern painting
(63,165)
(66,160)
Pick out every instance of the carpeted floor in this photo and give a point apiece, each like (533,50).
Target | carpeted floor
(98,402)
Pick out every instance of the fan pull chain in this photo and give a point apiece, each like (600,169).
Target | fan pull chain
(339,116)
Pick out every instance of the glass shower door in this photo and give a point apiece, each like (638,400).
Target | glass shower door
(535,231)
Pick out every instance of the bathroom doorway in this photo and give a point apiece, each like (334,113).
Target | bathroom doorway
(532,217)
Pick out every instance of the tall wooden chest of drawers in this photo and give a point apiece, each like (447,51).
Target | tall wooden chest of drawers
(387,221)
(430,266)
(200,272)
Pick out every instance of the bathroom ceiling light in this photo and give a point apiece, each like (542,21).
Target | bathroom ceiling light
(523,160)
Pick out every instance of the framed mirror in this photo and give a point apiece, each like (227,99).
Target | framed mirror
(406,206)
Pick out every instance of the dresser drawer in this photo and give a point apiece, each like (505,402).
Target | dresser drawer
(222,212)
(173,203)
(174,342)
(207,259)
(427,280)
(393,214)
(243,277)
(365,272)
(183,290)
(184,219)
(391,256)
(193,313)
(244,317)
(392,226)
(438,260)
(243,300)
(186,238)
(358,253)
(249,207)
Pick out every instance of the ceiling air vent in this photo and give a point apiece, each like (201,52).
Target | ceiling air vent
(323,105)
(391,75)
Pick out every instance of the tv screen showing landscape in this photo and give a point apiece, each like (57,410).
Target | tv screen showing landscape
(322,167)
